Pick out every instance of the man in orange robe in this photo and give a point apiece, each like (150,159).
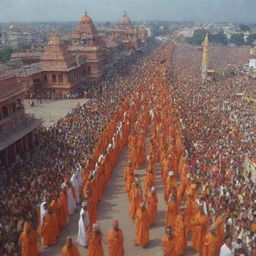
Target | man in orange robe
(188,214)
(142,226)
(201,224)
(135,200)
(28,241)
(152,205)
(210,247)
(172,211)
(95,246)
(70,249)
(219,223)
(63,202)
(169,184)
(49,229)
(180,232)
(115,240)
(169,242)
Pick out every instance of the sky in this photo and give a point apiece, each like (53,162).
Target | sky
(138,10)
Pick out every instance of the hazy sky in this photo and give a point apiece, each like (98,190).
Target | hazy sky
(102,10)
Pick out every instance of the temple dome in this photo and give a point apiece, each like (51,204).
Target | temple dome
(55,40)
(125,19)
(85,19)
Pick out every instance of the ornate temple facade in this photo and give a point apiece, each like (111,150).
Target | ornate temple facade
(82,58)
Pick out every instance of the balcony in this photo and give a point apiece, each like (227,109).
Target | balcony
(18,130)
(10,120)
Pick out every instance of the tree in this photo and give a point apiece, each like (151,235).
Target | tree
(5,54)
(244,28)
(219,38)
(251,38)
(237,39)
(198,37)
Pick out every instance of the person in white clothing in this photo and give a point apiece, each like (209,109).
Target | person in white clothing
(83,225)
(226,248)
(43,211)
(75,182)
(71,200)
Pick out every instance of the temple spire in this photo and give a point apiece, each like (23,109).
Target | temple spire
(85,11)
(205,59)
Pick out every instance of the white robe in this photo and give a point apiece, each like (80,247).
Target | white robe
(71,202)
(83,224)
(225,251)
(75,183)
(42,212)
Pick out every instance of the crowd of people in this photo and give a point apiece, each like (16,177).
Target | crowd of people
(218,128)
(30,188)
(205,144)
(203,136)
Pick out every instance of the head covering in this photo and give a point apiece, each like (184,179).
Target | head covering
(68,238)
(143,204)
(171,173)
(168,230)
(193,185)
(115,223)
(95,227)
(213,228)
(84,204)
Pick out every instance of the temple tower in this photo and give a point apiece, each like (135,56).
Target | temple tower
(205,59)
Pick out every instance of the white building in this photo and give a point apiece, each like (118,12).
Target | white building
(252,63)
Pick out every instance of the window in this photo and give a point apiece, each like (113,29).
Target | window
(45,78)
(89,69)
(14,108)
(5,111)
(60,78)
(54,79)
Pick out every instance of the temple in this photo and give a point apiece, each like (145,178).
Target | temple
(80,59)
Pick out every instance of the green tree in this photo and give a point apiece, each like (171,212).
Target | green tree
(218,38)
(237,39)
(25,46)
(198,37)
(244,28)
(5,54)
(251,38)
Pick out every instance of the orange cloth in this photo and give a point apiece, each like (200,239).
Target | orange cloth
(152,207)
(49,229)
(28,242)
(115,242)
(180,232)
(95,246)
(210,247)
(170,182)
(219,223)
(201,224)
(73,251)
(188,214)
(63,209)
(142,230)
(135,201)
(253,227)
(171,214)
(168,245)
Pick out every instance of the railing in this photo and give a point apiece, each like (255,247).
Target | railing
(16,116)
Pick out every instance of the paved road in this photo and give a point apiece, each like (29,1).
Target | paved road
(115,205)
(50,111)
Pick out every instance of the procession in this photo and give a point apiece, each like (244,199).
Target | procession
(208,191)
